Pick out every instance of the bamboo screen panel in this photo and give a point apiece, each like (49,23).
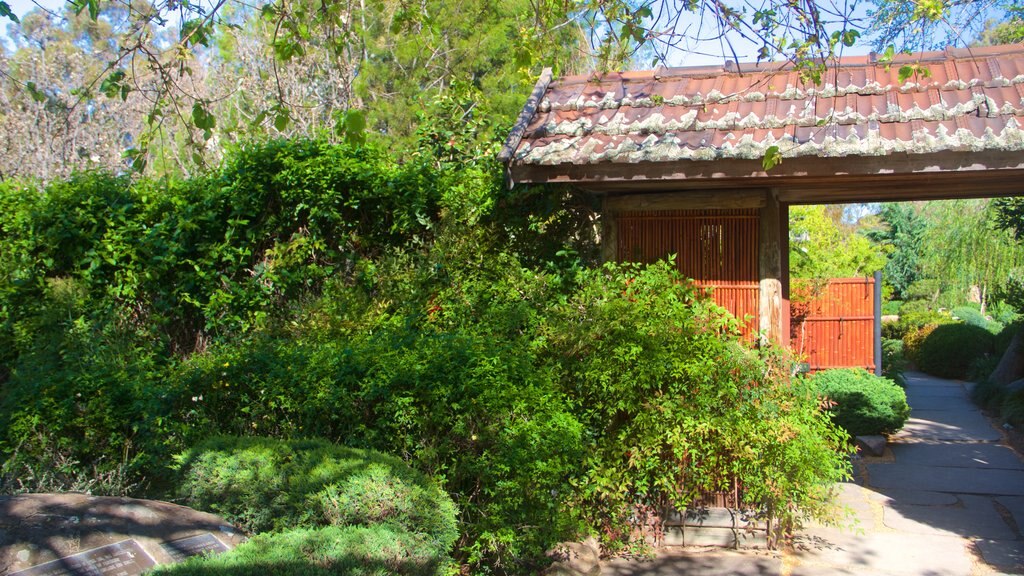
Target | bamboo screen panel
(834,325)
(717,248)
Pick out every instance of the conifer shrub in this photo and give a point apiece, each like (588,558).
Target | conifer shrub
(948,350)
(262,484)
(862,403)
(377,550)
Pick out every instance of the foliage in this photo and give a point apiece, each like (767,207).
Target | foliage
(378,550)
(988,394)
(677,406)
(973,317)
(948,350)
(967,250)
(894,363)
(902,233)
(863,404)
(418,309)
(982,367)
(1012,408)
(260,484)
(933,24)
(821,246)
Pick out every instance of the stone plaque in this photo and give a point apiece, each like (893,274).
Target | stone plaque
(124,558)
(184,548)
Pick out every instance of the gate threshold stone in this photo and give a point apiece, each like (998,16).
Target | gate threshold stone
(71,534)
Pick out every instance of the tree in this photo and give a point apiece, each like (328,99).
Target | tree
(821,246)
(303,65)
(964,248)
(52,120)
(901,233)
(912,25)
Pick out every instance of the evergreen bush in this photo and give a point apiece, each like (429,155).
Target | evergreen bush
(263,484)
(377,550)
(948,350)
(861,402)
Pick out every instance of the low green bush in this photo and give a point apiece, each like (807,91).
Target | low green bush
(262,484)
(862,403)
(949,349)
(988,395)
(973,317)
(891,307)
(380,550)
(1012,408)
(893,361)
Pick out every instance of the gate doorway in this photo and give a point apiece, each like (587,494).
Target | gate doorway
(718,248)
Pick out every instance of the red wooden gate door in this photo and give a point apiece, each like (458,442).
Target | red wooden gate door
(833,322)
(717,248)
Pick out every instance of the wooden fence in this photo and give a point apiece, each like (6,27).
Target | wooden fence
(718,248)
(833,323)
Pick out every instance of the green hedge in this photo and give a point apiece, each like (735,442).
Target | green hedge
(862,403)
(263,484)
(380,550)
(949,349)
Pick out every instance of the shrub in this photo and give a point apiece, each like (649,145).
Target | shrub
(982,367)
(973,317)
(864,404)
(676,405)
(379,550)
(262,484)
(893,361)
(988,395)
(1012,408)
(891,307)
(948,350)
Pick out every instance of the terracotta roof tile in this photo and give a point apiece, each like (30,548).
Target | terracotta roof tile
(963,99)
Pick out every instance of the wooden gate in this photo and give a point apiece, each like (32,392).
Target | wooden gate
(833,322)
(717,248)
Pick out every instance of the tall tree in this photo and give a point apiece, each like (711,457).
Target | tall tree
(901,233)
(964,248)
(822,246)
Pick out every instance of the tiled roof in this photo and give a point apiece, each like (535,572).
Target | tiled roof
(962,100)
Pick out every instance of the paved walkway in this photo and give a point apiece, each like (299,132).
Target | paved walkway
(949,500)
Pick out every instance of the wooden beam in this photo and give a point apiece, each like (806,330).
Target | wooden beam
(810,180)
(519,129)
(687,200)
(770,308)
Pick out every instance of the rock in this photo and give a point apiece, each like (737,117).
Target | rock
(575,559)
(872,445)
(1015,386)
(40,528)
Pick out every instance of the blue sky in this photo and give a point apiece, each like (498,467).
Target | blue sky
(707,53)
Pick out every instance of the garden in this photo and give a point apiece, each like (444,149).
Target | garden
(336,350)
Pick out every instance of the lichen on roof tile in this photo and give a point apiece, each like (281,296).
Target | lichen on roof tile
(956,102)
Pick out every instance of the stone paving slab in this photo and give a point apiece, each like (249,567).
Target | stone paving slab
(912,497)
(828,551)
(951,425)
(943,479)
(976,517)
(1007,555)
(697,562)
(917,380)
(934,402)
(987,456)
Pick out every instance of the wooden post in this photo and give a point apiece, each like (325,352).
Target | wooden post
(787,313)
(770,267)
(878,322)
(609,232)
